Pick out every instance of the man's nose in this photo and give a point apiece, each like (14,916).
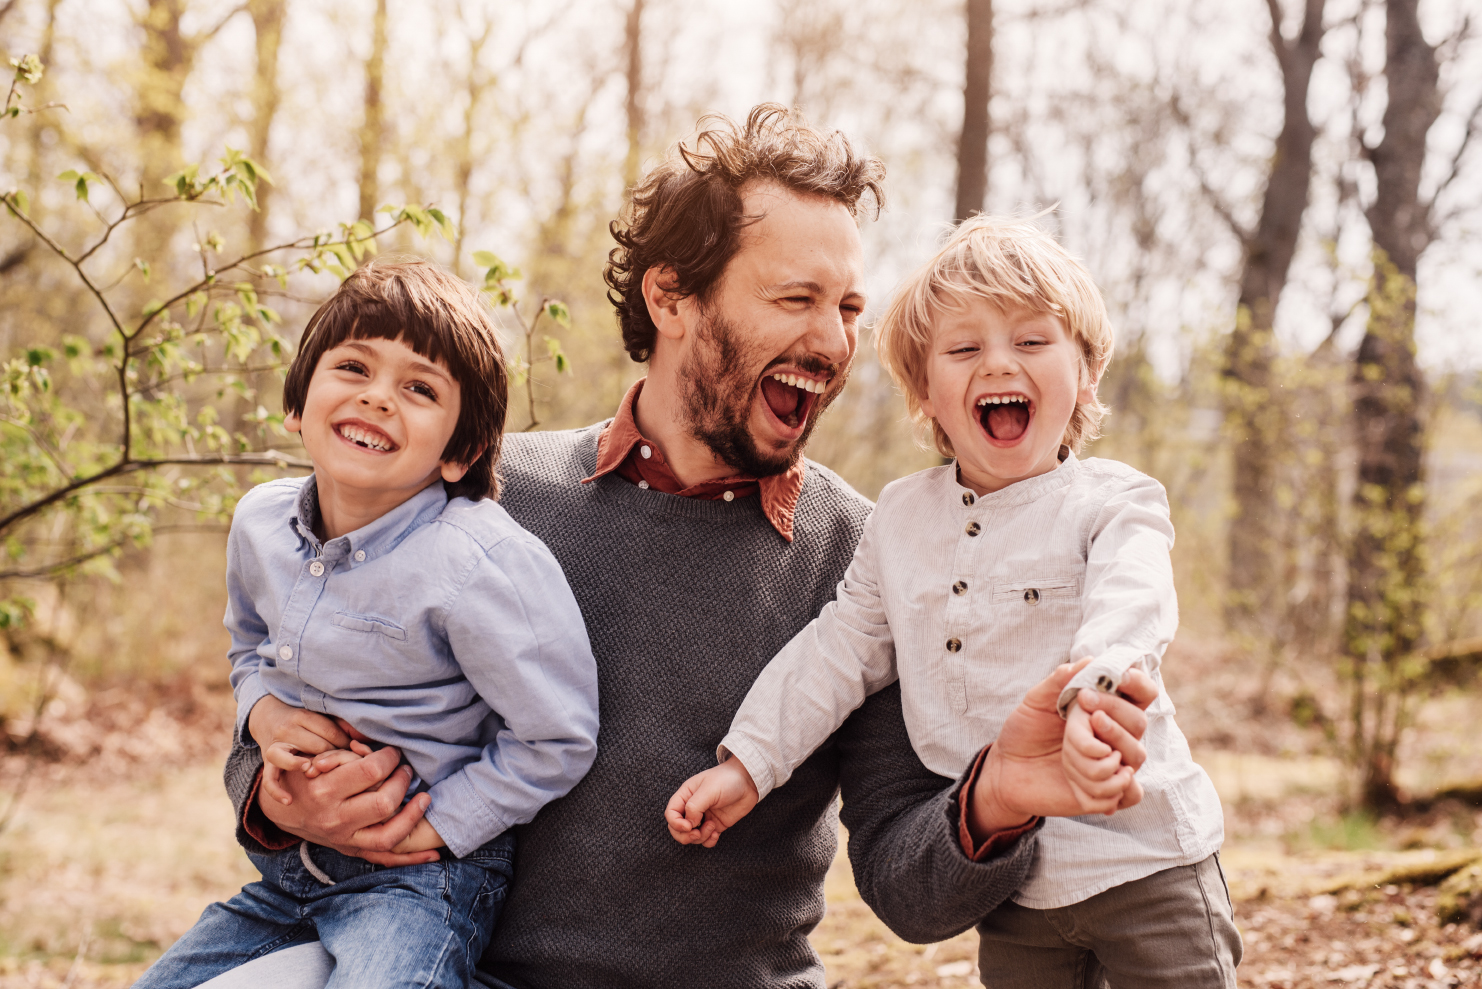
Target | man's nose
(830,337)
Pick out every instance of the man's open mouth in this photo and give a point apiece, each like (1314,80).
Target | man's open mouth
(361,436)
(791,396)
(1004,417)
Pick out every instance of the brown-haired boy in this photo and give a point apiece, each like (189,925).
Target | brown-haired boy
(389,595)
(972,582)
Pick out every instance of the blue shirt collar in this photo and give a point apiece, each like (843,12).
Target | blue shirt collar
(374,538)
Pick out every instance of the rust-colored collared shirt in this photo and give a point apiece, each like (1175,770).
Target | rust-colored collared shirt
(623,450)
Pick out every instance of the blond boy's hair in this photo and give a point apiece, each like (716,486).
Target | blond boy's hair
(1011,263)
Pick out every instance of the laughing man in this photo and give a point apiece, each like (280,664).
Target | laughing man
(698,541)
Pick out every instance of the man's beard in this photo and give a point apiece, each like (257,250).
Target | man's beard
(719,379)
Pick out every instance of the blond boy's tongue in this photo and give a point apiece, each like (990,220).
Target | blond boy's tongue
(1006,422)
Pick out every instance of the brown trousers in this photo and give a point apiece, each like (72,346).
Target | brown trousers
(1174,929)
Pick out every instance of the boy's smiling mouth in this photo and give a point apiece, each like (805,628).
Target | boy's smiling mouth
(365,436)
(1005,418)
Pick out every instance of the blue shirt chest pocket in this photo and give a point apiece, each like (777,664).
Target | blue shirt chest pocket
(376,652)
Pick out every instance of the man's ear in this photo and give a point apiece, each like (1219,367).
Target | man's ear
(293,422)
(663,303)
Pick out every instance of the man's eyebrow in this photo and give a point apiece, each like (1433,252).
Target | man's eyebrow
(805,285)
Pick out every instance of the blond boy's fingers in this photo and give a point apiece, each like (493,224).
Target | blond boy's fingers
(1112,732)
(1080,735)
(284,757)
(674,813)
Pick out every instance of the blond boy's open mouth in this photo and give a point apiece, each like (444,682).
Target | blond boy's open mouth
(1005,418)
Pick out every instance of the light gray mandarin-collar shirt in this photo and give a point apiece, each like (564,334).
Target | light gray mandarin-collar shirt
(442,628)
(972,601)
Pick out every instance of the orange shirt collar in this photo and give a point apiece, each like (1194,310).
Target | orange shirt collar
(620,441)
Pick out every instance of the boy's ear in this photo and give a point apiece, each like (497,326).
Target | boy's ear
(293,422)
(1086,394)
(453,473)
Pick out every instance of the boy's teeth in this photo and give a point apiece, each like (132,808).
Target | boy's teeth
(356,435)
(1002,399)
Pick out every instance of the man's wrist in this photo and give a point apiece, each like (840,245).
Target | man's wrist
(987,815)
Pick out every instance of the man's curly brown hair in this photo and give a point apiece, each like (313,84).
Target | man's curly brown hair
(687,215)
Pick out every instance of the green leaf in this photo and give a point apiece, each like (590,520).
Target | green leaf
(143,267)
(559,312)
(486,259)
(21,200)
(562,364)
(37,356)
(28,69)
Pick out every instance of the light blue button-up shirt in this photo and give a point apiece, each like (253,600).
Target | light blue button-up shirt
(442,628)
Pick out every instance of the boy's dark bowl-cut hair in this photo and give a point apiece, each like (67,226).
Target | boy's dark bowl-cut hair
(687,213)
(441,318)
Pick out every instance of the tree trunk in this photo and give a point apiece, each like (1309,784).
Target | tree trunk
(373,126)
(972,146)
(633,49)
(1386,557)
(1253,412)
(165,61)
(267,21)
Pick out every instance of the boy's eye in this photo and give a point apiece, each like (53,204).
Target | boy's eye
(355,367)
(424,390)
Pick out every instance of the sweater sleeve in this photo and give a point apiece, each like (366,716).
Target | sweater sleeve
(1129,606)
(826,671)
(903,822)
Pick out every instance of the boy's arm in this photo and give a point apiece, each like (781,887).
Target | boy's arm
(825,672)
(519,637)
(1129,606)
(248,631)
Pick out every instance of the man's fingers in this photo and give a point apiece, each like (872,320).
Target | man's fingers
(396,858)
(1045,695)
(394,830)
(363,775)
(1139,688)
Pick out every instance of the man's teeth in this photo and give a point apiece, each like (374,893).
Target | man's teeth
(807,384)
(365,438)
(1002,400)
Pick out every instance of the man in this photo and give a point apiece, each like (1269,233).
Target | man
(697,542)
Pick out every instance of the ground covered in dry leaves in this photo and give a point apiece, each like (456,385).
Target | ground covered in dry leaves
(124,834)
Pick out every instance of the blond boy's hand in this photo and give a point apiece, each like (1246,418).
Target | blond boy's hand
(707,804)
(281,757)
(1093,768)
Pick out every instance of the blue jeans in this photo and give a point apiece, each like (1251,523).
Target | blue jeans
(413,925)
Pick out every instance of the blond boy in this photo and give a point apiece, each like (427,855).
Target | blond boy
(974,580)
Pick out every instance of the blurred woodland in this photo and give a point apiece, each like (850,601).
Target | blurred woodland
(1280,199)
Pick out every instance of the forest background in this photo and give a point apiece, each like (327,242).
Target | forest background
(1280,200)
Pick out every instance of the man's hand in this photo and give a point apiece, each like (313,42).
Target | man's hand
(720,796)
(1024,774)
(352,808)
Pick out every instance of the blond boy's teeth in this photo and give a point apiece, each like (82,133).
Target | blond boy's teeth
(1002,400)
(806,384)
(364,438)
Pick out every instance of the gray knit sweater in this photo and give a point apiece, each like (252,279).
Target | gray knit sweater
(685,601)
